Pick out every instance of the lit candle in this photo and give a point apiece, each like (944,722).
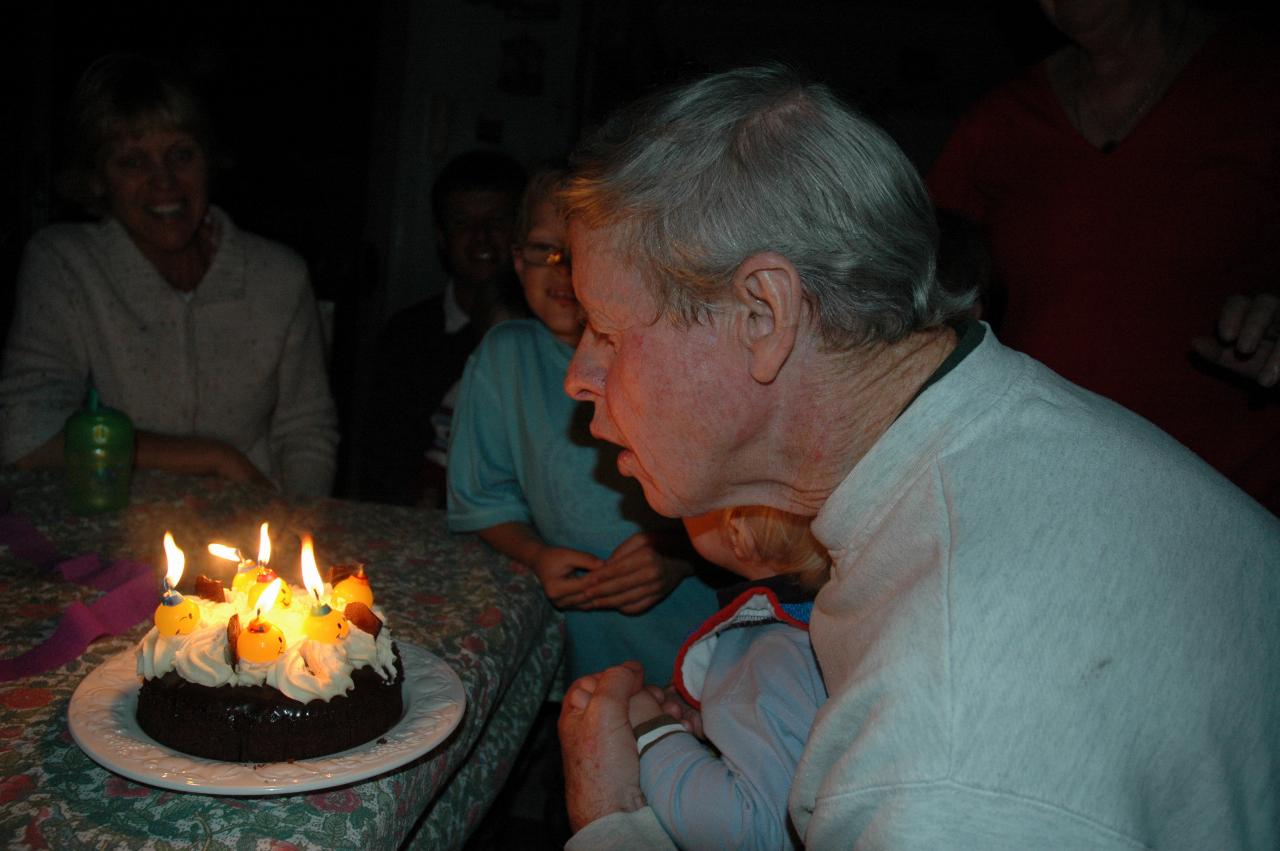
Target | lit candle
(262,641)
(247,570)
(257,590)
(354,589)
(324,624)
(175,615)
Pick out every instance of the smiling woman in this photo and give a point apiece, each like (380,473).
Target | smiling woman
(156,183)
(206,336)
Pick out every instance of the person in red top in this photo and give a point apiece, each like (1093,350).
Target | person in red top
(1128,188)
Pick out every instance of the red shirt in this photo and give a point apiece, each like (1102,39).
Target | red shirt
(1114,262)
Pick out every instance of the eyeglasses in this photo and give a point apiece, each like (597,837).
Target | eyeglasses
(541,254)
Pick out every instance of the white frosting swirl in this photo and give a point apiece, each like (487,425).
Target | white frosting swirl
(308,670)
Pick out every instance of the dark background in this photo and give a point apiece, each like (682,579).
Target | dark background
(332,118)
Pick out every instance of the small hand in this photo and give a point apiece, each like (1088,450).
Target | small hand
(559,569)
(642,707)
(671,703)
(635,577)
(601,766)
(1248,329)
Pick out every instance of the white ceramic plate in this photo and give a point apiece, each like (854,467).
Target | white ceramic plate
(102,717)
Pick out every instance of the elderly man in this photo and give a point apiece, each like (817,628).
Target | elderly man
(1048,625)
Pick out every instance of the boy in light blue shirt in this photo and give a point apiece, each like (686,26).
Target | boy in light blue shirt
(526,475)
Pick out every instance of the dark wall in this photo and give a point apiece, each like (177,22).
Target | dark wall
(290,87)
(294,89)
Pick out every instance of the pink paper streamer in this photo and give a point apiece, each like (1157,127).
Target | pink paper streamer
(130,596)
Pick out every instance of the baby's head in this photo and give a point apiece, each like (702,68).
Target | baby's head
(542,259)
(757,542)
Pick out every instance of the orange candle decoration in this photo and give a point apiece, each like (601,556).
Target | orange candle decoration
(354,589)
(262,641)
(325,624)
(257,590)
(247,570)
(175,615)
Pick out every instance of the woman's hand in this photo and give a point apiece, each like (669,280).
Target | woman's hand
(1248,330)
(635,577)
(230,463)
(202,456)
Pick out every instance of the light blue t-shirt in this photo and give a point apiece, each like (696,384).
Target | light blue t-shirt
(520,450)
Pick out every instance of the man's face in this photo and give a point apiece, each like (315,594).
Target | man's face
(664,393)
(475,235)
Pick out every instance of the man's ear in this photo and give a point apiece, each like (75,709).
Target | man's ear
(768,302)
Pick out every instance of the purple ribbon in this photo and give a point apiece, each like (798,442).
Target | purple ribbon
(130,597)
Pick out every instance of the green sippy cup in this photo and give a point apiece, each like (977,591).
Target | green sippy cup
(98,451)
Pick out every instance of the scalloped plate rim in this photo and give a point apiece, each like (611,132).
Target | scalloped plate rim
(426,697)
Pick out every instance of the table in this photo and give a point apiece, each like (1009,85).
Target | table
(453,596)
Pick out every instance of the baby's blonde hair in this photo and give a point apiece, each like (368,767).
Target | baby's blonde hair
(784,541)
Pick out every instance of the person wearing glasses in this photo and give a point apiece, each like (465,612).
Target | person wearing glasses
(525,474)
(420,353)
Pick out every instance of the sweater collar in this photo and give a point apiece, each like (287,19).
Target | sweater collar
(934,419)
(140,285)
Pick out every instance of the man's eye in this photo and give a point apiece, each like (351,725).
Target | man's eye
(182,155)
(129,161)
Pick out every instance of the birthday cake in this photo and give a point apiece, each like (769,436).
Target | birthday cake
(240,684)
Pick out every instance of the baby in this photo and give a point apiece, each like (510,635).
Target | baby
(718,756)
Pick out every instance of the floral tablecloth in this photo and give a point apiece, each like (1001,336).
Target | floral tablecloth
(484,616)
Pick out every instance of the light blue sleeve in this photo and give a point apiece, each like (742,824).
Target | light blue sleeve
(758,716)
(483,468)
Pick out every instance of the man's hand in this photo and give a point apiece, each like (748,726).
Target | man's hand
(601,766)
(635,577)
(1248,329)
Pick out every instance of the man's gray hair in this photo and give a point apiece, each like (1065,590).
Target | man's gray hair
(692,182)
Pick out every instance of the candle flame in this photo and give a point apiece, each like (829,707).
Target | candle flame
(268,598)
(177,561)
(264,546)
(310,573)
(225,552)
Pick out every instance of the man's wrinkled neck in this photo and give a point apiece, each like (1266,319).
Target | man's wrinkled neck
(856,397)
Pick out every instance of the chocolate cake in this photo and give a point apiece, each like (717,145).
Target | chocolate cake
(260,724)
(316,698)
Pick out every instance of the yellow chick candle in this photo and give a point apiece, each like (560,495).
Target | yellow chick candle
(175,615)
